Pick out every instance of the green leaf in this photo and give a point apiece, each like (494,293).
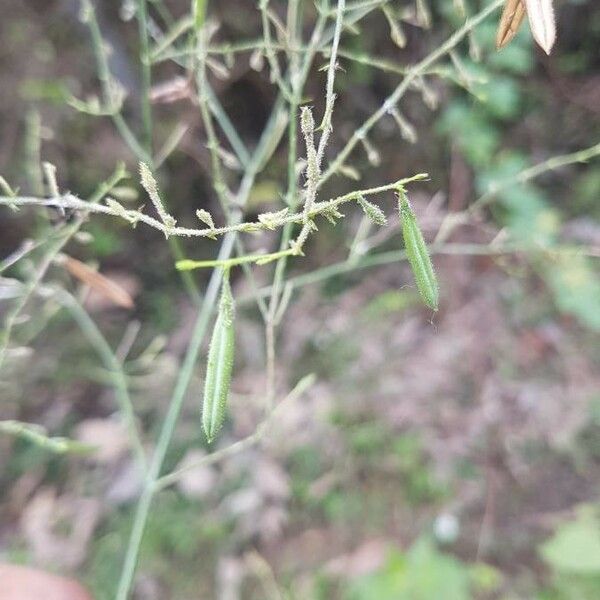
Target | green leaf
(576,287)
(470,127)
(530,217)
(575,546)
(423,573)
(500,96)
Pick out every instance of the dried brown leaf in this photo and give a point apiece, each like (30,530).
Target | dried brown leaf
(510,21)
(98,282)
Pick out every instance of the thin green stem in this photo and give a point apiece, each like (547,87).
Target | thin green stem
(269,220)
(218,178)
(292,196)
(551,164)
(59,242)
(395,256)
(257,259)
(114,367)
(271,56)
(329,91)
(107,85)
(199,14)
(142,19)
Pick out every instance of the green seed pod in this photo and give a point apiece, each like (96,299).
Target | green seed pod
(220,363)
(416,251)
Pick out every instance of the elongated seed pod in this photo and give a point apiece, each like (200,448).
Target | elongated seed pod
(418,256)
(219,365)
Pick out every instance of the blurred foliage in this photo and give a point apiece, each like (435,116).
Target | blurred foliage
(177,530)
(499,94)
(573,554)
(424,573)
(381,467)
(575,546)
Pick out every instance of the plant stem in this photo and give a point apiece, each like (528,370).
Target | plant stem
(114,367)
(551,164)
(395,256)
(259,259)
(142,19)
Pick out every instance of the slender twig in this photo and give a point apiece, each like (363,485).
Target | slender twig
(297,75)
(551,164)
(392,100)
(395,256)
(61,238)
(107,82)
(218,177)
(271,57)
(114,367)
(326,127)
(38,435)
(58,240)
(142,19)
(108,86)
(69,201)
(246,259)
(452,220)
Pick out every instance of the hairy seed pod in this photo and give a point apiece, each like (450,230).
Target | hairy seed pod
(418,256)
(219,365)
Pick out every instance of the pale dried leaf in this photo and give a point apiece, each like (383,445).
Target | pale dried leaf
(542,23)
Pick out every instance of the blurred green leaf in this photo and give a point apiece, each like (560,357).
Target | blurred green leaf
(576,287)
(530,218)
(423,573)
(501,96)
(471,129)
(390,301)
(575,546)
(515,58)
(54,91)
(506,166)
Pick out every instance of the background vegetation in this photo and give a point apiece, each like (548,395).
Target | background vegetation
(411,454)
